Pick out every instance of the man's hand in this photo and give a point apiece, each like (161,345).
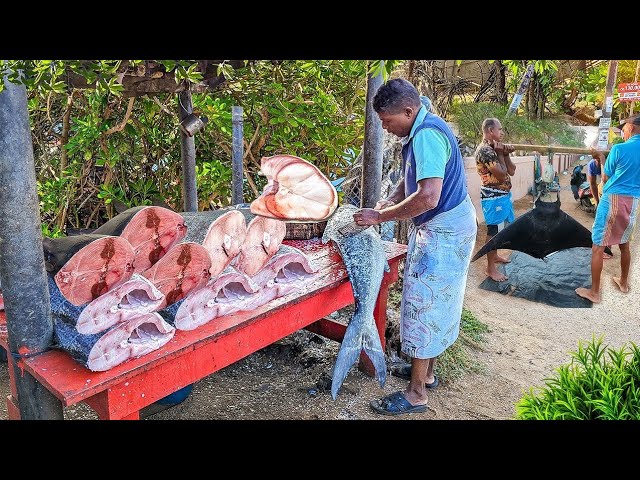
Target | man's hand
(384,204)
(367,216)
(498,147)
(508,149)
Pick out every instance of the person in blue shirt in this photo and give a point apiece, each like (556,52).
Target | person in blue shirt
(433,194)
(617,210)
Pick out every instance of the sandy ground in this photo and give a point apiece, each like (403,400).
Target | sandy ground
(526,343)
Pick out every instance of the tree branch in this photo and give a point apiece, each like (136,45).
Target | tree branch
(64,156)
(118,128)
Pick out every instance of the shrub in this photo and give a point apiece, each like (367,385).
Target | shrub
(518,129)
(599,383)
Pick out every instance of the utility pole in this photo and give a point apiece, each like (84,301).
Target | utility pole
(22,273)
(237,155)
(188,152)
(635,79)
(605,121)
(522,89)
(372,151)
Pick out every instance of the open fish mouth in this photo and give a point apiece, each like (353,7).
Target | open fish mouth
(147,335)
(293,273)
(232,292)
(136,299)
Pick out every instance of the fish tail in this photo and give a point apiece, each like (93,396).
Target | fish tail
(373,348)
(352,345)
(347,357)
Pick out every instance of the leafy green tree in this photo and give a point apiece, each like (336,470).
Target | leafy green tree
(96,148)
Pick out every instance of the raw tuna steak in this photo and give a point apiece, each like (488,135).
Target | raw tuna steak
(288,265)
(58,251)
(264,237)
(221,232)
(221,296)
(95,269)
(184,268)
(137,336)
(152,232)
(295,190)
(135,296)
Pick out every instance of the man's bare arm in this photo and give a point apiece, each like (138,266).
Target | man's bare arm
(594,187)
(425,198)
(511,167)
(398,193)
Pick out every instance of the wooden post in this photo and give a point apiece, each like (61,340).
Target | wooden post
(605,121)
(188,151)
(635,79)
(372,150)
(22,273)
(550,148)
(238,154)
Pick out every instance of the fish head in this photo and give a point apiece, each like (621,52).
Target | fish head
(341,224)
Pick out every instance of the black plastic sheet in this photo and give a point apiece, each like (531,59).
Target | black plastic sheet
(551,280)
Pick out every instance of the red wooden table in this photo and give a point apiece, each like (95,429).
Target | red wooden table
(122,391)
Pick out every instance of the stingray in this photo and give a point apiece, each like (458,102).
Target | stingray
(542,230)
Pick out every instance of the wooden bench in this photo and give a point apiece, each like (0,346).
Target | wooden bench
(122,391)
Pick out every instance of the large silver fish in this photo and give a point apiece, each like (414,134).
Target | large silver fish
(364,258)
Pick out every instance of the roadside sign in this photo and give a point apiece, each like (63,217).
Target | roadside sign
(608,104)
(629,92)
(603,138)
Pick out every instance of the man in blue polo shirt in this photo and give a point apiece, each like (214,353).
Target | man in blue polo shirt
(618,208)
(433,193)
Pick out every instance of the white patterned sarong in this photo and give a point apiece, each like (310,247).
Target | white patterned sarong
(435,278)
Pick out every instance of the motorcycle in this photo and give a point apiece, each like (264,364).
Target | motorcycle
(582,190)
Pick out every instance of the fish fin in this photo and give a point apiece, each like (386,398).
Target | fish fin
(373,348)
(347,357)
(353,344)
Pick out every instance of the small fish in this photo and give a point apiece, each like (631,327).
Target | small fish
(364,258)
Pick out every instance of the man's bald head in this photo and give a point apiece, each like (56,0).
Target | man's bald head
(492,129)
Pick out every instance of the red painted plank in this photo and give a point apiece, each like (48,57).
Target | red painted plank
(4,336)
(13,412)
(328,328)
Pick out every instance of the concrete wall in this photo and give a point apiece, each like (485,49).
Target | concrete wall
(521,182)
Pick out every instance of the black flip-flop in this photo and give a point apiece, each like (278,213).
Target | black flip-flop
(395,404)
(405,372)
